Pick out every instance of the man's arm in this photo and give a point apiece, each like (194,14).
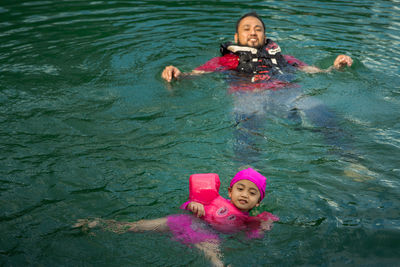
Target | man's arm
(340,62)
(227,62)
(172,72)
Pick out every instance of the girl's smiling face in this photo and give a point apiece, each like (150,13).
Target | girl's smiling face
(244,195)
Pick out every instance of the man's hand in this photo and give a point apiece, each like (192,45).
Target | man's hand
(342,61)
(197,208)
(170,72)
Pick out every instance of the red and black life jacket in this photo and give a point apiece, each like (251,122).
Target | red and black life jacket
(262,62)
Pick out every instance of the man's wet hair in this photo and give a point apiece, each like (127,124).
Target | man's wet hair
(250,14)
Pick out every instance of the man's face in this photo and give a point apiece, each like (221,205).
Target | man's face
(250,33)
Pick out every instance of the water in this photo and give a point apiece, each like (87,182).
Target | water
(89,129)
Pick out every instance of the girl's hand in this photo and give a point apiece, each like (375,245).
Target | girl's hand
(266,225)
(197,208)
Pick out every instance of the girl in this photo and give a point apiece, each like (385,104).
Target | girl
(246,191)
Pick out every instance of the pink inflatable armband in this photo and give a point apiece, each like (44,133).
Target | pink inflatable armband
(203,187)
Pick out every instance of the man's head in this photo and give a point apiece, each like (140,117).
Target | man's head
(250,30)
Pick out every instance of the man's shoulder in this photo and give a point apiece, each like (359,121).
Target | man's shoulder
(228,57)
(294,61)
(225,62)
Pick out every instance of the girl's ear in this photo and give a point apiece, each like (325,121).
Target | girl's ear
(236,38)
(258,204)
(230,192)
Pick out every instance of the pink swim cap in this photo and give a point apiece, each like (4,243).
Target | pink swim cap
(253,176)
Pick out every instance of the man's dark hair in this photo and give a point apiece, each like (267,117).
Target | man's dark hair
(250,14)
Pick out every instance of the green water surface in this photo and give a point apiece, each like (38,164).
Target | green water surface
(89,129)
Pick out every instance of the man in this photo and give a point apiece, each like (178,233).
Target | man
(257,65)
(250,33)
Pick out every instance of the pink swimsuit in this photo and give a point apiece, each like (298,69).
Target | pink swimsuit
(220,214)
